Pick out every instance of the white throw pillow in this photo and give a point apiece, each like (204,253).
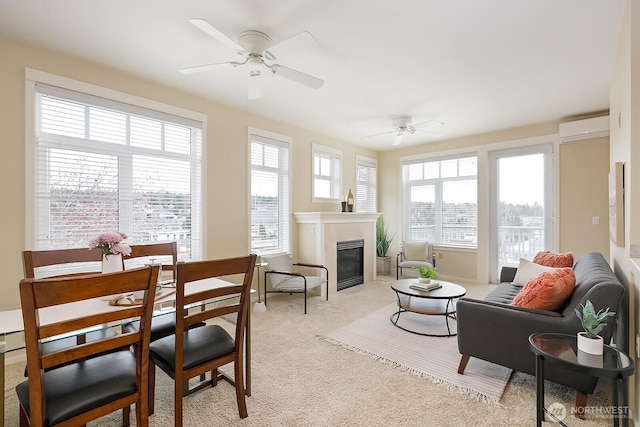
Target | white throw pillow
(527,270)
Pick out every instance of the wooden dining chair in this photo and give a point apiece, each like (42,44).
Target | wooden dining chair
(65,262)
(166,251)
(161,326)
(61,261)
(192,352)
(68,387)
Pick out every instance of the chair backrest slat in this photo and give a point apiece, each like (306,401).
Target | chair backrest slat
(36,259)
(163,249)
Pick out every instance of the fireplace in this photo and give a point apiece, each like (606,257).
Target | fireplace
(350,263)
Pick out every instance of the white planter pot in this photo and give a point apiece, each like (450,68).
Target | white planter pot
(383,265)
(424,280)
(112,263)
(590,345)
(588,359)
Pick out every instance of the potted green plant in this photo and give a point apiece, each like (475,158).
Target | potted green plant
(383,242)
(427,274)
(589,341)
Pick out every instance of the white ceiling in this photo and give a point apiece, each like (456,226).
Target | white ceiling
(477,66)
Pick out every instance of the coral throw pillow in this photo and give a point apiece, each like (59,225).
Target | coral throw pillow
(547,291)
(553,259)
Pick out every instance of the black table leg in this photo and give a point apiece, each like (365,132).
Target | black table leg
(539,390)
(625,401)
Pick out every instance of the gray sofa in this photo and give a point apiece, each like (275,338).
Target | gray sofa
(493,330)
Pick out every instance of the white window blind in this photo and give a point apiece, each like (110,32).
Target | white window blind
(366,185)
(102,165)
(441,201)
(327,164)
(270,206)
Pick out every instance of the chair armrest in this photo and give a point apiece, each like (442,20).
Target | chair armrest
(303,264)
(507,274)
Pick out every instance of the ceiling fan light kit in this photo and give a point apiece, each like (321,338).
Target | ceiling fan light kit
(254,45)
(402,125)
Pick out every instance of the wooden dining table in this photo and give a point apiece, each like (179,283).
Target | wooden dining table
(12,329)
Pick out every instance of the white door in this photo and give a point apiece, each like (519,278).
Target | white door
(521,200)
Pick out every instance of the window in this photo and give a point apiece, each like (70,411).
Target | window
(102,165)
(270,208)
(366,181)
(441,200)
(326,173)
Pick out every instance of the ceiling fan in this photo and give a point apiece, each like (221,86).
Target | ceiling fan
(256,48)
(402,125)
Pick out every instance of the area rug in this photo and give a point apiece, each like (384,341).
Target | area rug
(434,358)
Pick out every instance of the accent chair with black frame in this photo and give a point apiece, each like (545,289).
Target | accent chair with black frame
(281,273)
(414,255)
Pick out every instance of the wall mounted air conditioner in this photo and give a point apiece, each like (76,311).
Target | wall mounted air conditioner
(596,127)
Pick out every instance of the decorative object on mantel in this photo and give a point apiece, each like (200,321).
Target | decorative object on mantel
(110,243)
(344,205)
(349,199)
(592,322)
(383,242)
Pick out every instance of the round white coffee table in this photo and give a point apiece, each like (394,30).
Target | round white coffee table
(438,302)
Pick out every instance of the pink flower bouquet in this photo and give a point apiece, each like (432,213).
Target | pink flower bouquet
(111,243)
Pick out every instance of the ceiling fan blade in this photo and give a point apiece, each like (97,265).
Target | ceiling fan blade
(302,40)
(209,67)
(432,122)
(255,85)
(398,139)
(297,76)
(433,132)
(381,133)
(216,34)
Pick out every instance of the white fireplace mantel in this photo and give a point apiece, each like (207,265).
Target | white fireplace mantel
(319,233)
(334,217)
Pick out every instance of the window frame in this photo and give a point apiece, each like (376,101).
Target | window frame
(335,180)
(438,195)
(371,188)
(130,104)
(285,209)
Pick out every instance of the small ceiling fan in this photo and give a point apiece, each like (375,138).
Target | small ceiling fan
(256,47)
(402,125)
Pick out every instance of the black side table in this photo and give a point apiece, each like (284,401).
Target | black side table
(562,349)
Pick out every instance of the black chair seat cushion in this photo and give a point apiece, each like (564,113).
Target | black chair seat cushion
(61,344)
(200,345)
(80,387)
(161,326)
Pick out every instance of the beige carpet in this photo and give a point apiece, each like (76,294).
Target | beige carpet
(299,379)
(435,358)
